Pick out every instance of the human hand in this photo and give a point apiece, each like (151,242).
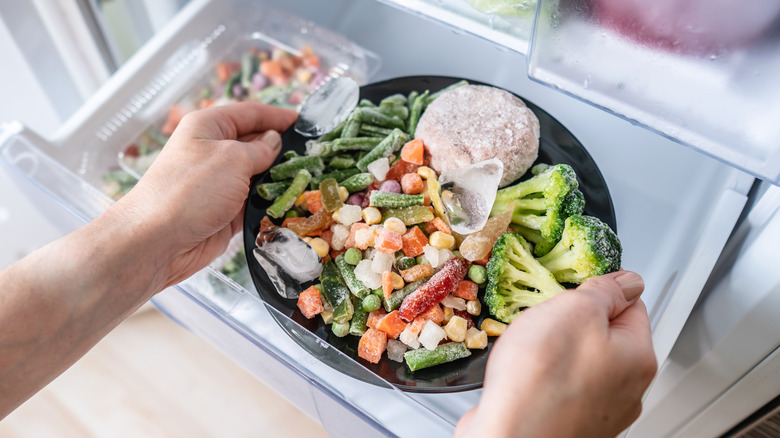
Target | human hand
(574,366)
(193,194)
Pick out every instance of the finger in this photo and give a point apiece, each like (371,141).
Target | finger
(630,332)
(263,150)
(615,291)
(461,429)
(239,119)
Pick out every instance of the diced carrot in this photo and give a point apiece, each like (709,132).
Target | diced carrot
(441,225)
(392,324)
(372,344)
(205,103)
(352,231)
(375,317)
(225,70)
(466,289)
(388,241)
(175,114)
(310,303)
(413,151)
(387,283)
(430,227)
(417,272)
(287,65)
(313,200)
(414,241)
(270,69)
(401,168)
(335,253)
(412,184)
(483,261)
(435,314)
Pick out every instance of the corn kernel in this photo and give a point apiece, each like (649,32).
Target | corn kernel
(372,215)
(441,240)
(493,327)
(398,282)
(307,239)
(473,307)
(327,316)
(456,329)
(300,200)
(335,216)
(304,75)
(395,224)
(320,245)
(448,314)
(476,339)
(343,193)
(426,172)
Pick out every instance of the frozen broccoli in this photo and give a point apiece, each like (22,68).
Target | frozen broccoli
(516,280)
(541,204)
(588,248)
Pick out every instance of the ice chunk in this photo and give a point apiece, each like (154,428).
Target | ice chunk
(327,107)
(431,255)
(431,335)
(473,191)
(287,260)
(340,235)
(382,262)
(409,337)
(477,246)
(444,255)
(454,302)
(369,278)
(349,214)
(396,350)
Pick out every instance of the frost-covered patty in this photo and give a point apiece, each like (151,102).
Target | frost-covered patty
(474,123)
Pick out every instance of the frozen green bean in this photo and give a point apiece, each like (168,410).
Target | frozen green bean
(356,143)
(394,200)
(357,182)
(423,358)
(272,190)
(390,144)
(376,117)
(287,199)
(417,109)
(397,297)
(374,131)
(290,168)
(342,162)
(338,175)
(347,272)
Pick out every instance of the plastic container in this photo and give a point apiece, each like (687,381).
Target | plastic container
(699,72)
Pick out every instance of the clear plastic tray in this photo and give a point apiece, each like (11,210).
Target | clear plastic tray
(701,74)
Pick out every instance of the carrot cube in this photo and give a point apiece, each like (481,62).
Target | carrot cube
(417,272)
(435,314)
(483,261)
(414,241)
(440,225)
(372,344)
(466,289)
(413,151)
(313,200)
(388,241)
(375,317)
(310,303)
(392,325)
(387,283)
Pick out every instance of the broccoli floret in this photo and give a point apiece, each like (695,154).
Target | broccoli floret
(516,280)
(541,204)
(588,248)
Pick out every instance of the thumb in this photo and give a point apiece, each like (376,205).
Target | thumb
(616,291)
(263,150)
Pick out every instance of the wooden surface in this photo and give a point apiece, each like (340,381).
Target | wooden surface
(151,378)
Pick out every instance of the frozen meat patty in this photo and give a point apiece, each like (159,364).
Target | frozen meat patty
(474,123)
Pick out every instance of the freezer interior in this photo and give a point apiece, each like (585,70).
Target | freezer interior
(675,207)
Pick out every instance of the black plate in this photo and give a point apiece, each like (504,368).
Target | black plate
(557,145)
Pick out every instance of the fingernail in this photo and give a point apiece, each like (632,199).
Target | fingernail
(272,138)
(630,283)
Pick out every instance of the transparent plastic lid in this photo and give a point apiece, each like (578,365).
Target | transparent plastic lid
(701,72)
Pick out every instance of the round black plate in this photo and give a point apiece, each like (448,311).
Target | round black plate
(557,145)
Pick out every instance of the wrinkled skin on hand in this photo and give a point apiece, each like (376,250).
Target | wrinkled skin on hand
(574,366)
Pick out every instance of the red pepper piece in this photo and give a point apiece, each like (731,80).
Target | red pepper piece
(434,290)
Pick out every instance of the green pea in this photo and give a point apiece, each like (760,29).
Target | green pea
(477,274)
(292,213)
(371,302)
(378,292)
(420,259)
(353,256)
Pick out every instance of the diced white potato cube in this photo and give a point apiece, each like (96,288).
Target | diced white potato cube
(410,338)
(340,235)
(368,277)
(379,168)
(431,335)
(382,262)
(456,329)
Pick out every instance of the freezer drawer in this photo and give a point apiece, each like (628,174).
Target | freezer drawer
(675,208)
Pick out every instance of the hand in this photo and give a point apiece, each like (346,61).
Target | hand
(196,188)
(574,366)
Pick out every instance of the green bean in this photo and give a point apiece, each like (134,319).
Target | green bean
(410,101)
(395,99)
(347,272)
(394,200)
(249,65)
(400,111)
(375,117)
(290,154)
(287,199)
(235,79)
(390,144)
(356,144)
(374,131)
(329,193)
(423,358)
(366,103)
(272,190)
(397,297)
(359,318)
(344,311)
(357,182)
(333,289)
(338,175)
(332,135)
(342,162)
(417,109)
(352,128)
(290,168)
